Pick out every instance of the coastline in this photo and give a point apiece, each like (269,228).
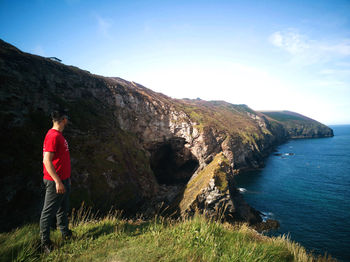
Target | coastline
(293,197)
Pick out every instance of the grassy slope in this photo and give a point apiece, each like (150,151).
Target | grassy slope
(285,116)
(220,115)
(115,239)
(298,125)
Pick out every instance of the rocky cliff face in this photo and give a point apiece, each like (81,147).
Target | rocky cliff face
(110,166)
(299,126)
(131,148)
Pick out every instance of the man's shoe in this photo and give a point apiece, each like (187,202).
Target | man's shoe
(47,247)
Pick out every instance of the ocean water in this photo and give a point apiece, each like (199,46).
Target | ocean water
(307,189)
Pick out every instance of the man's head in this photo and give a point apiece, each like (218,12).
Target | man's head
(59,117)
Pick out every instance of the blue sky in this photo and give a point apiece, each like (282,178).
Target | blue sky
(270,55)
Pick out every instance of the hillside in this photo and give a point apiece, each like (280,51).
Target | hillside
(131,148)
(299,126)
(116,239)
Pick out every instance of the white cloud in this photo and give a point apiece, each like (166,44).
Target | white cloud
(291,41)
(344,72)
(307,51)
(331,84)
(342,48)
(104,25)
(327,72)
(343,64)
(277,39)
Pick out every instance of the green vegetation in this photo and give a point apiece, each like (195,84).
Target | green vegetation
(299,126)
(114,239)
(225,118)
(218,114)
(215,170)
(284,116)
(115,162)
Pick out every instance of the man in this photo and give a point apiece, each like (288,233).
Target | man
(57,171)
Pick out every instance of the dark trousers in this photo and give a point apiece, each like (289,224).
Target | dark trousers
(54,205)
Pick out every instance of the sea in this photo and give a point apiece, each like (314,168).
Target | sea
(305,185)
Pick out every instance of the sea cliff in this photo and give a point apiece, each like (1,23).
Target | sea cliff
(131,148)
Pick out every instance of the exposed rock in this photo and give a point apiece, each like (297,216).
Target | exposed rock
(31,86)
(266,225)
(212,193)
(299,126)
(130,147)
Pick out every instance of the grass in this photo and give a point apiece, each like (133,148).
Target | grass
(115,239)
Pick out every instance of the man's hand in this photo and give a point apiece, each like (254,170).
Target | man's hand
(51,170)
(60,189)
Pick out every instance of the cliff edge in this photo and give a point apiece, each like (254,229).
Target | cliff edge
(131,148)
(299,126)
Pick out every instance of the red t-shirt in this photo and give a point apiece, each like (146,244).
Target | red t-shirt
(55,142)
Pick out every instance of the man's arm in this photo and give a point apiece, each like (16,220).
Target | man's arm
(52,172)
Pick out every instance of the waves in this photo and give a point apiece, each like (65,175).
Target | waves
(305,186)
(267,215)
(242,190)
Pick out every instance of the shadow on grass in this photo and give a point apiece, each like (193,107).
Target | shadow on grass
(135,229)
(24,251)
(129,228)
(99,230)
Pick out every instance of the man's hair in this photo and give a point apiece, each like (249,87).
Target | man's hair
(58,115)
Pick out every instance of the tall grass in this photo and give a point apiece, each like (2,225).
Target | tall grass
(115,239)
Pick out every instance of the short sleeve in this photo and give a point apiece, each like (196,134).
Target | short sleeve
(51,144)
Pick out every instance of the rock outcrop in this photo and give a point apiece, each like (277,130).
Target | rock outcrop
(299,126)
(213,193)
(131,148)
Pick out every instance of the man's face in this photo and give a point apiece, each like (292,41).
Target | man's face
(66,121)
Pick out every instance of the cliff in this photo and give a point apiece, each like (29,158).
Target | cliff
(131,148)
(299,126)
